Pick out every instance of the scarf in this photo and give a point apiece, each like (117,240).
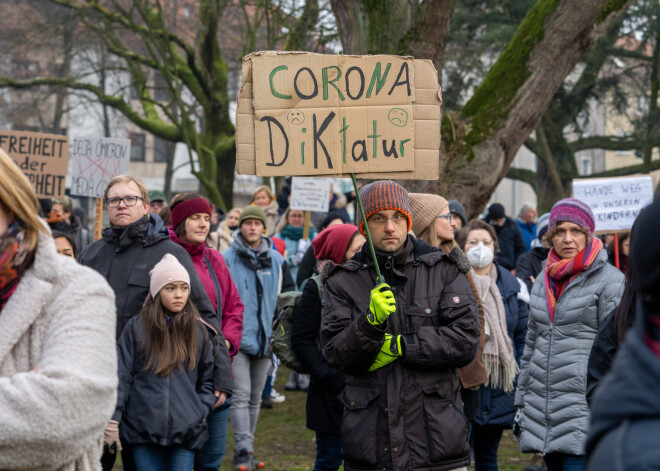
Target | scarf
(15,258)
(500,363)
(560,272)
(296,233)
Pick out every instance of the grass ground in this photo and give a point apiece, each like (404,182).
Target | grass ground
(284,443)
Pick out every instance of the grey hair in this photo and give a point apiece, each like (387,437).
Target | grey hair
(525,207)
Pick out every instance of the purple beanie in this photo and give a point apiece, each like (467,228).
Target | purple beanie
(572,210)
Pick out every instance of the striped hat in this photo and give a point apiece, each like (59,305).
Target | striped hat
(380,195)
(572,210)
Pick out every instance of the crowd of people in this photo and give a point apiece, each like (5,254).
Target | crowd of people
(418,352)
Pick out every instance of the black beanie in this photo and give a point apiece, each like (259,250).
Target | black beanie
(645,252)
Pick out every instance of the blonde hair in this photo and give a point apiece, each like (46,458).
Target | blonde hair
(429,236)
(266,189)
(127,179)
(19,199)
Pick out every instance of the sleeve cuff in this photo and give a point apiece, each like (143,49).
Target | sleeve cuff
(371,331)
(411,350)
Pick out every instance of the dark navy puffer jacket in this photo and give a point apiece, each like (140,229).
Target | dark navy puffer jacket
(158,410)
(625,420)
(496,407)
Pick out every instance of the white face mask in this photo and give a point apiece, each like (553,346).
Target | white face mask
(480,256)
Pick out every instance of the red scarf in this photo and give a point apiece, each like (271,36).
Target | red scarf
(560,272)
(15,258)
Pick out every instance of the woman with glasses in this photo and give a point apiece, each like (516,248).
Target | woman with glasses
(505,306)
(570,300)
(434,224)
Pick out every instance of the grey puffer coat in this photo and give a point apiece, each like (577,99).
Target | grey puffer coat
(553,378)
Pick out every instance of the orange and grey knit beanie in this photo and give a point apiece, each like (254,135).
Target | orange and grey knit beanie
(425,208)
(380,195)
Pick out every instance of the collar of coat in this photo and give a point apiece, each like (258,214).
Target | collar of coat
(414,251)
(145,231)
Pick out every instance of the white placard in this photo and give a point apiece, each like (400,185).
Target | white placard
(310,194)
(94,161)
(615,202)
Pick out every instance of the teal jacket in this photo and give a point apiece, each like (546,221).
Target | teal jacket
(259,277)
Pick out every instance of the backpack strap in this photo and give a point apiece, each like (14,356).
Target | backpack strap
(214,277)
(317,280)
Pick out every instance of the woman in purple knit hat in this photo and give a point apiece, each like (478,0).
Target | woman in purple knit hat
(569,301)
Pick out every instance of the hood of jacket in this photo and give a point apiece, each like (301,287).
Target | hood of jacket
(146,231)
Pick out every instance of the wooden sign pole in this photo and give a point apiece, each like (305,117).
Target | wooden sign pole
(308,219)
(98,219)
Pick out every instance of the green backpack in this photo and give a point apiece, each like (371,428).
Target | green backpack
(280,339)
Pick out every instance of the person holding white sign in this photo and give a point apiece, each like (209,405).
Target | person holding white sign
(569,301)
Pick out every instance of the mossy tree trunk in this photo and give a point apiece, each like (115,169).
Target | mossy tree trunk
(480,141)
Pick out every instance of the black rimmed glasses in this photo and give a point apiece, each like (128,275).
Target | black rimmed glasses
(128,201)
(448,217)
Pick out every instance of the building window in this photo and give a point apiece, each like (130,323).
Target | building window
(161,88)
(162,149)
(621,133)
(137,147)
(586,166)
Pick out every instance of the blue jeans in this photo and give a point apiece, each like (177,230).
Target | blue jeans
(210,456)
(163,458)
(329,454)
(564,462)
(486,441)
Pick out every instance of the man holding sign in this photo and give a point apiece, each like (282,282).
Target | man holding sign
(400,341)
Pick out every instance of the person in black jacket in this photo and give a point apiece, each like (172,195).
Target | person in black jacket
(530,264)
(165,361)
(135,241)
(337,243)
(509,236)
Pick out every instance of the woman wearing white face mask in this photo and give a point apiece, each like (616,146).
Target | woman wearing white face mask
(506,327)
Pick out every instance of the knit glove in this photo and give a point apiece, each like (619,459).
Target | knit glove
(111,443)
(382,304)
(517,428)
(389,351)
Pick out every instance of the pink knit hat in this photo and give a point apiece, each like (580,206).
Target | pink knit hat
(187,208)
(572,210)
(167,271)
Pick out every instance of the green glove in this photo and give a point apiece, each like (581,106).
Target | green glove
(390,351)
(382,304)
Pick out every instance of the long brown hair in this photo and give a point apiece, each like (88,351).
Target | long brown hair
(166,350)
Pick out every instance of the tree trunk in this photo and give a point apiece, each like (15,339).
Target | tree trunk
(480,142)
(653,116)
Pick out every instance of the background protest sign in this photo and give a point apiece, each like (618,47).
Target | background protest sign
(373,116)
(615,202)
(310,194)
(94,161)
(43,158)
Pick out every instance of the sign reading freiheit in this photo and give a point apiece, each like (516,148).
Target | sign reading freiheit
(43,158)
(615,202)
(94,161)
(310,194)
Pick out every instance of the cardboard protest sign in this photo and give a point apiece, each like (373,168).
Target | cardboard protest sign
(615,202)
(332,115)
(94,161)
(310,194)
(43,158)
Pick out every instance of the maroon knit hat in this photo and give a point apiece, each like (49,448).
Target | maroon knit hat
(332,243)
(187,208)
(572,210)
(380,195)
